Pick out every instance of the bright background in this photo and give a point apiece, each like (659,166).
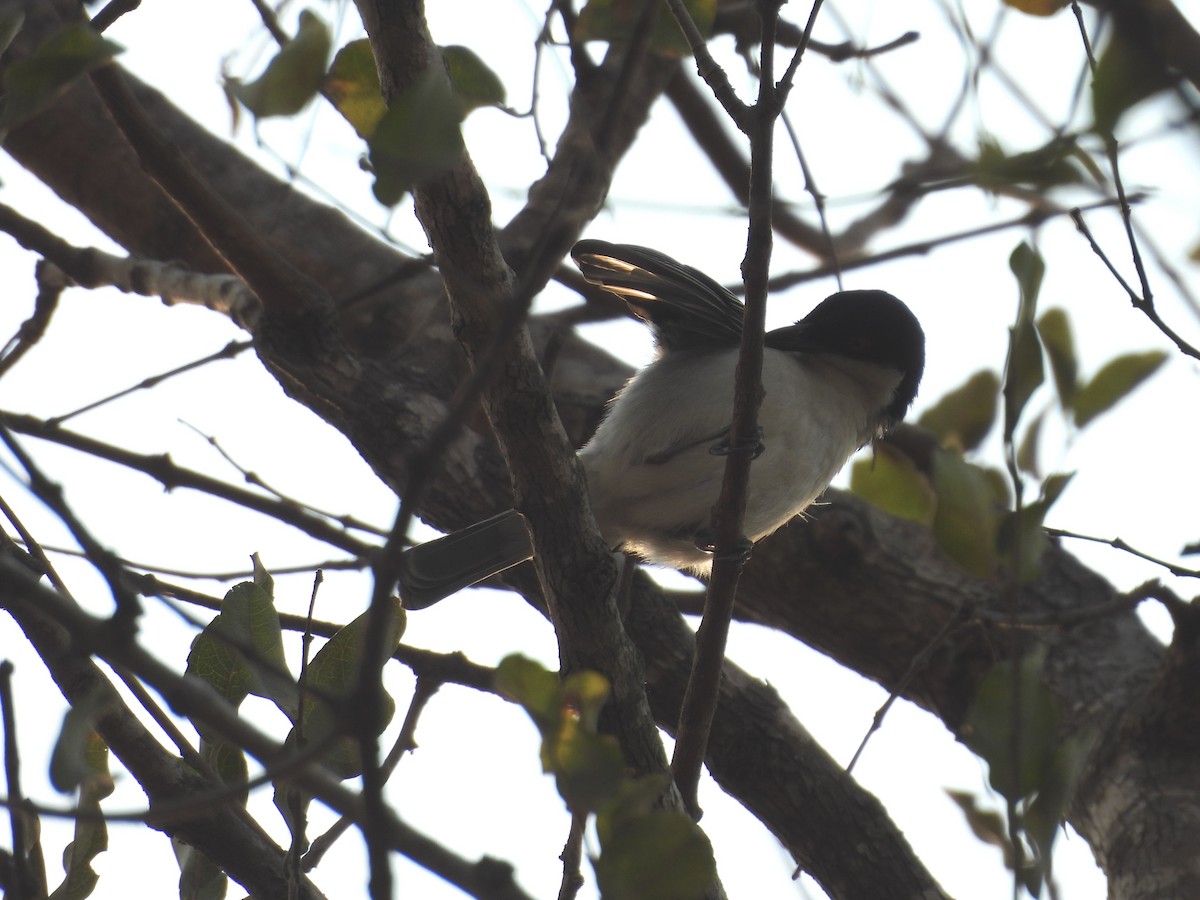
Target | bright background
(475,782)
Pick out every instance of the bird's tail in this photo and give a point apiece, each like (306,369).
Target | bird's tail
(685,307)
(438,568)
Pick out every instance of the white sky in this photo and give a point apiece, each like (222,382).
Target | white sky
(475,782)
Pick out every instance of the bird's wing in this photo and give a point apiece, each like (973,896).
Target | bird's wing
(685,307)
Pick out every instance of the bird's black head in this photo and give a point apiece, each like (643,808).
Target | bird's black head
(872,326)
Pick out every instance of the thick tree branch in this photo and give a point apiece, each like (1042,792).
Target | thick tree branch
(579,578)
(58,629)
(874,590)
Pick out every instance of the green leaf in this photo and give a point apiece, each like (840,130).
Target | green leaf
(1027,452)
(199,878)
(891,481)
(473,82)
(965,415)
(1054,328)
(249,619)
(614,21)
(967,515)
(332,675)
(1048,809)
(533,686)
(262,577)
(91,831)
(240,651)
(636,797)
(1037,7)
(214,661)
(335,668)
(418,138)
(585,693)
(588,768)
(228,761)
(1114,382)
(293,77)
(988,726)
(1125,75)
(1054,164)
(989,825)
(1023,371)
(1022,540)
(352,85)
(661,856)
(34,83)
(71,763)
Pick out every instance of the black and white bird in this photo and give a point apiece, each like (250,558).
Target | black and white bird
(834,381)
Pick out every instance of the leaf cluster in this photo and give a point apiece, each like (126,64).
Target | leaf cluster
(1013,725)
(646,852)
(415,138)
(969,506)
(240,653)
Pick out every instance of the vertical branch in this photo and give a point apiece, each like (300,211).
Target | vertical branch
(25,879)
(1143,301)
(700,699)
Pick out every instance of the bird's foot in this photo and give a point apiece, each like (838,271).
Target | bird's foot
(706,540)
(724,446)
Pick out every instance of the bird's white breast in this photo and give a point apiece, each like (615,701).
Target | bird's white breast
(816,412)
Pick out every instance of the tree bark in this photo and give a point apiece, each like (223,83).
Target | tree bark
(870,591)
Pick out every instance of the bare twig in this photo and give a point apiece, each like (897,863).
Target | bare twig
(344,519)
(1119,544)
(708,69)
(28,881)
(919,661)
(49,290)
(572,855)
(91,268)
(1143,300)
(25,598)
(700,699)
(162,469)
(128,608)
(112,11)
(229,351)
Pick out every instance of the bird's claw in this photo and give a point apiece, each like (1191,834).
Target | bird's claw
(706,540)
(724,446)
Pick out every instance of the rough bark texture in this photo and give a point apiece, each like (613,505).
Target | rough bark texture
(870,591)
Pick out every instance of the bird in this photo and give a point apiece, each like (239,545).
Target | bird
(833,382)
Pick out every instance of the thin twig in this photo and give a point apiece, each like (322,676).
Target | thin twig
(34,548)
(106,563)
(344,519)
(49,290)
(1031,219)
(708,69)
(1138,302)
(1143,300)
(572,856)
(917,663)
(1120,544)
(700,699)
(104,19)
(162,469)
(23,870)
(229,351)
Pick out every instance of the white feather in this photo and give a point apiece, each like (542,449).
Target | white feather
(822,408)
